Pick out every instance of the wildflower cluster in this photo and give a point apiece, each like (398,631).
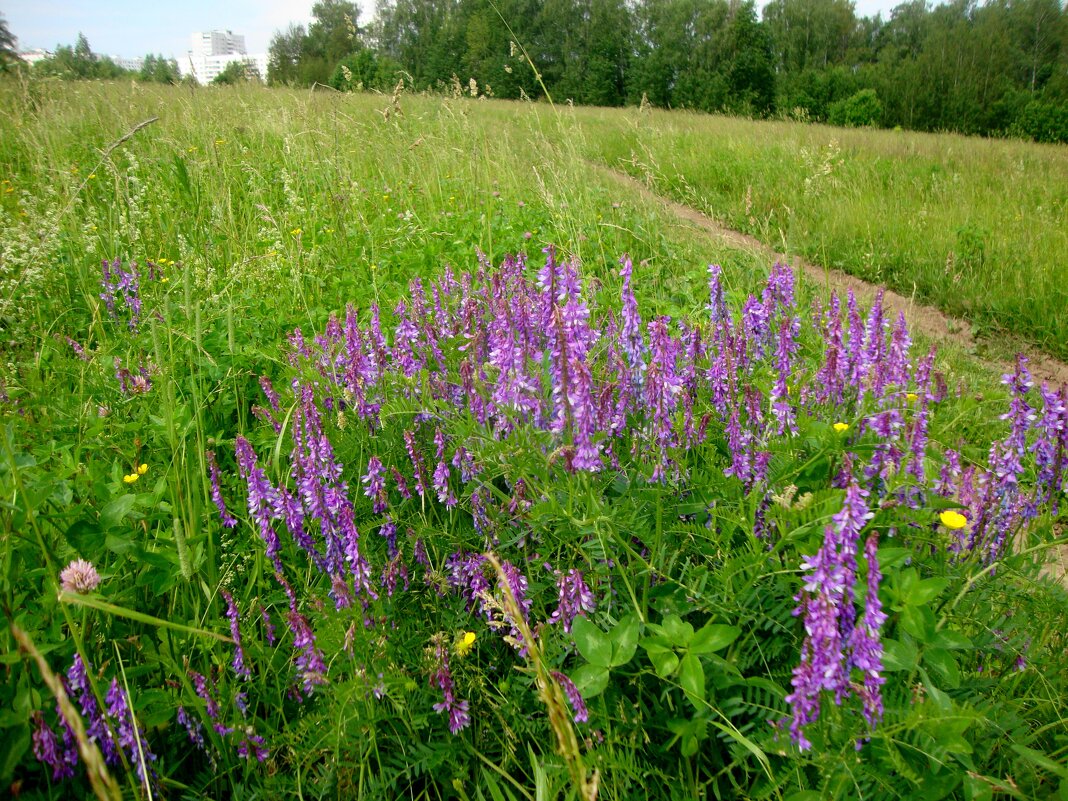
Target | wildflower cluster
(110,725)
(537,361)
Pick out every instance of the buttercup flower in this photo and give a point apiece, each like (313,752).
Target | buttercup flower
(79,576)
(953,520)
(465,643)
(841,427)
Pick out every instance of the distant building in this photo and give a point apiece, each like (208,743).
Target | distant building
(33,56)
(133,64)
(212,51)
(217,43)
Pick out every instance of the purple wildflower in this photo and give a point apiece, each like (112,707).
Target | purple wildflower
(375,481)
(631,340)
(263,499)
(47,749)
(252,744)
(193,727)
(459,718)
(826,604)
(96,723)
(78,350)
(130,736)
(574,598)
(240,668)
(866,649)
(574,697)
(119,284)
(228,520)
(662,389)
(417,462)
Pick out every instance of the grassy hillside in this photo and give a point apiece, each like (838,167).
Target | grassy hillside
(977,227)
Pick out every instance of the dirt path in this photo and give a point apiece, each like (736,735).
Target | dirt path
(928,320)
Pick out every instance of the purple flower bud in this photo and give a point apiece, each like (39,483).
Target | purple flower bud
(574,697)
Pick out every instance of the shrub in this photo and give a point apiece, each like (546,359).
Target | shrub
(861,109)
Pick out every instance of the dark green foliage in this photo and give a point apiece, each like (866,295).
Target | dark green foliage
(992,69)
(858,111)
(236,72)
(1043,122)
(157,69)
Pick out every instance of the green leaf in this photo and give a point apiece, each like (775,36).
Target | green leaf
(117,509)
(945,664)
(976,789)
(713,637)
(889,558)
(953,640)
(85,537)
(677,630)
(804,795)
(591,642)
(664,659)
(692,678)
(1040,759)
(624,637)
(590,680)
(918,621)
(899,655)
(18,743)
(926,591)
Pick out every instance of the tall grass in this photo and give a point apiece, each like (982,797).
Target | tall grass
(977,227)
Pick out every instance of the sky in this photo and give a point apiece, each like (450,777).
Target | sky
(129,28)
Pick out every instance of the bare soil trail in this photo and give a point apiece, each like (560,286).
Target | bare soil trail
(928,320)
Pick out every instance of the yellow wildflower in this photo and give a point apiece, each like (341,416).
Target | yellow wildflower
(296,232)
(465,643)
(142,469)
(130,479)
(912,397)
(953,520)
(841,427)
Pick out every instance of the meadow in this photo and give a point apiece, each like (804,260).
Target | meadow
(360,446)
(977,227)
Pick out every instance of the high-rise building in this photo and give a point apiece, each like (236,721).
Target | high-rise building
(217,43)
(213,51)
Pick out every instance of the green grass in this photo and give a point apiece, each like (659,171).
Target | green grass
(272,209)
(976,227)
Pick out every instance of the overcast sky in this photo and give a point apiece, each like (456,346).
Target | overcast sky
(135,27)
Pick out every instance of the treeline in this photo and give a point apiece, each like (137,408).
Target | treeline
(996,68)
(80,62)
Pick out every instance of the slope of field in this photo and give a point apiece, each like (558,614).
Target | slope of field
(977,227)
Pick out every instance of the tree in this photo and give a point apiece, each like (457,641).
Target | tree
(9,55)
(83,58)
(331,37)
(236,72)
(284,55)
(157,69)
(750,76)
